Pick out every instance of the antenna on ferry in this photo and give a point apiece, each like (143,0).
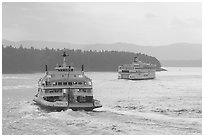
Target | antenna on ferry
(46,72)
(46,68)
(82,67)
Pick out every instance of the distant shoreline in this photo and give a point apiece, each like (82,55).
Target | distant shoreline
(33,72)
(31,60)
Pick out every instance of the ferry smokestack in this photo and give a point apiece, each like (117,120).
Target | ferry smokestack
(45,67)
(82,68)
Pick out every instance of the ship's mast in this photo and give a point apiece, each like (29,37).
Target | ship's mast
(135,59)
(64,60)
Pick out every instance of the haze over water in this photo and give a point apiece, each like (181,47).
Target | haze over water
(169,104)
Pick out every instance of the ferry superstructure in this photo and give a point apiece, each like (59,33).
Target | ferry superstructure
(137,70)
(66,88)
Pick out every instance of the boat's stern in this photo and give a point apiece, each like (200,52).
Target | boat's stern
(85,106)
(97,104)
(57,105)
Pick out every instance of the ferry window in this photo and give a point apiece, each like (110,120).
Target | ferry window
(89,83)
(69,83)
(80,83)
(59,83)
(74,83)
(64,83)
(56,91)
(54,83)
(48,83)
(46,91)
(51,91)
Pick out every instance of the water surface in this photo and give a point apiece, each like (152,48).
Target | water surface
(169,104)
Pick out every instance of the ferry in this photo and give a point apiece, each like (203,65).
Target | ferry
(138,70)
(66,88)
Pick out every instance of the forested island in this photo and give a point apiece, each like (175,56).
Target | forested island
(32,60)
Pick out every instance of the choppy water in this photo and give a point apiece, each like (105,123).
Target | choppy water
(169,104)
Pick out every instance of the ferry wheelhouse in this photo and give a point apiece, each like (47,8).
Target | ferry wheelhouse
(66,88)
(137,70)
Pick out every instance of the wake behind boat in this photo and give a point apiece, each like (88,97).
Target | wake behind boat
(66,88)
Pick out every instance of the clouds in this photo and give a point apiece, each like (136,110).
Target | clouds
(139,23)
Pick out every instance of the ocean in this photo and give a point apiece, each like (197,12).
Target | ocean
(169,104)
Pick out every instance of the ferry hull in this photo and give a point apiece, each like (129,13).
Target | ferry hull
(135,76)
(65,105)
(138,78)
(49,105)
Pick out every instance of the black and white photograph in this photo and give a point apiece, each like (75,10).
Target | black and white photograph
(101,68)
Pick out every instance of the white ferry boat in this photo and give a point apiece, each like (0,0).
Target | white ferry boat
(137,70)
(66,88)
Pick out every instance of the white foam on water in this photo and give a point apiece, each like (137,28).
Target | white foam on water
(155,116)
(12,77)
(18,87)
(27,107)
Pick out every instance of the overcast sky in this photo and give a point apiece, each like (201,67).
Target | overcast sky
(88,23)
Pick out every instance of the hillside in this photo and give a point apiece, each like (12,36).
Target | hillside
(177,51)
(29,60)
(41,44)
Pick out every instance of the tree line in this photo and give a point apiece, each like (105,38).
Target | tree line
(31,60)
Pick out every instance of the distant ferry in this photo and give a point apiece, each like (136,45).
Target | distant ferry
(137,70)
(66,88)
